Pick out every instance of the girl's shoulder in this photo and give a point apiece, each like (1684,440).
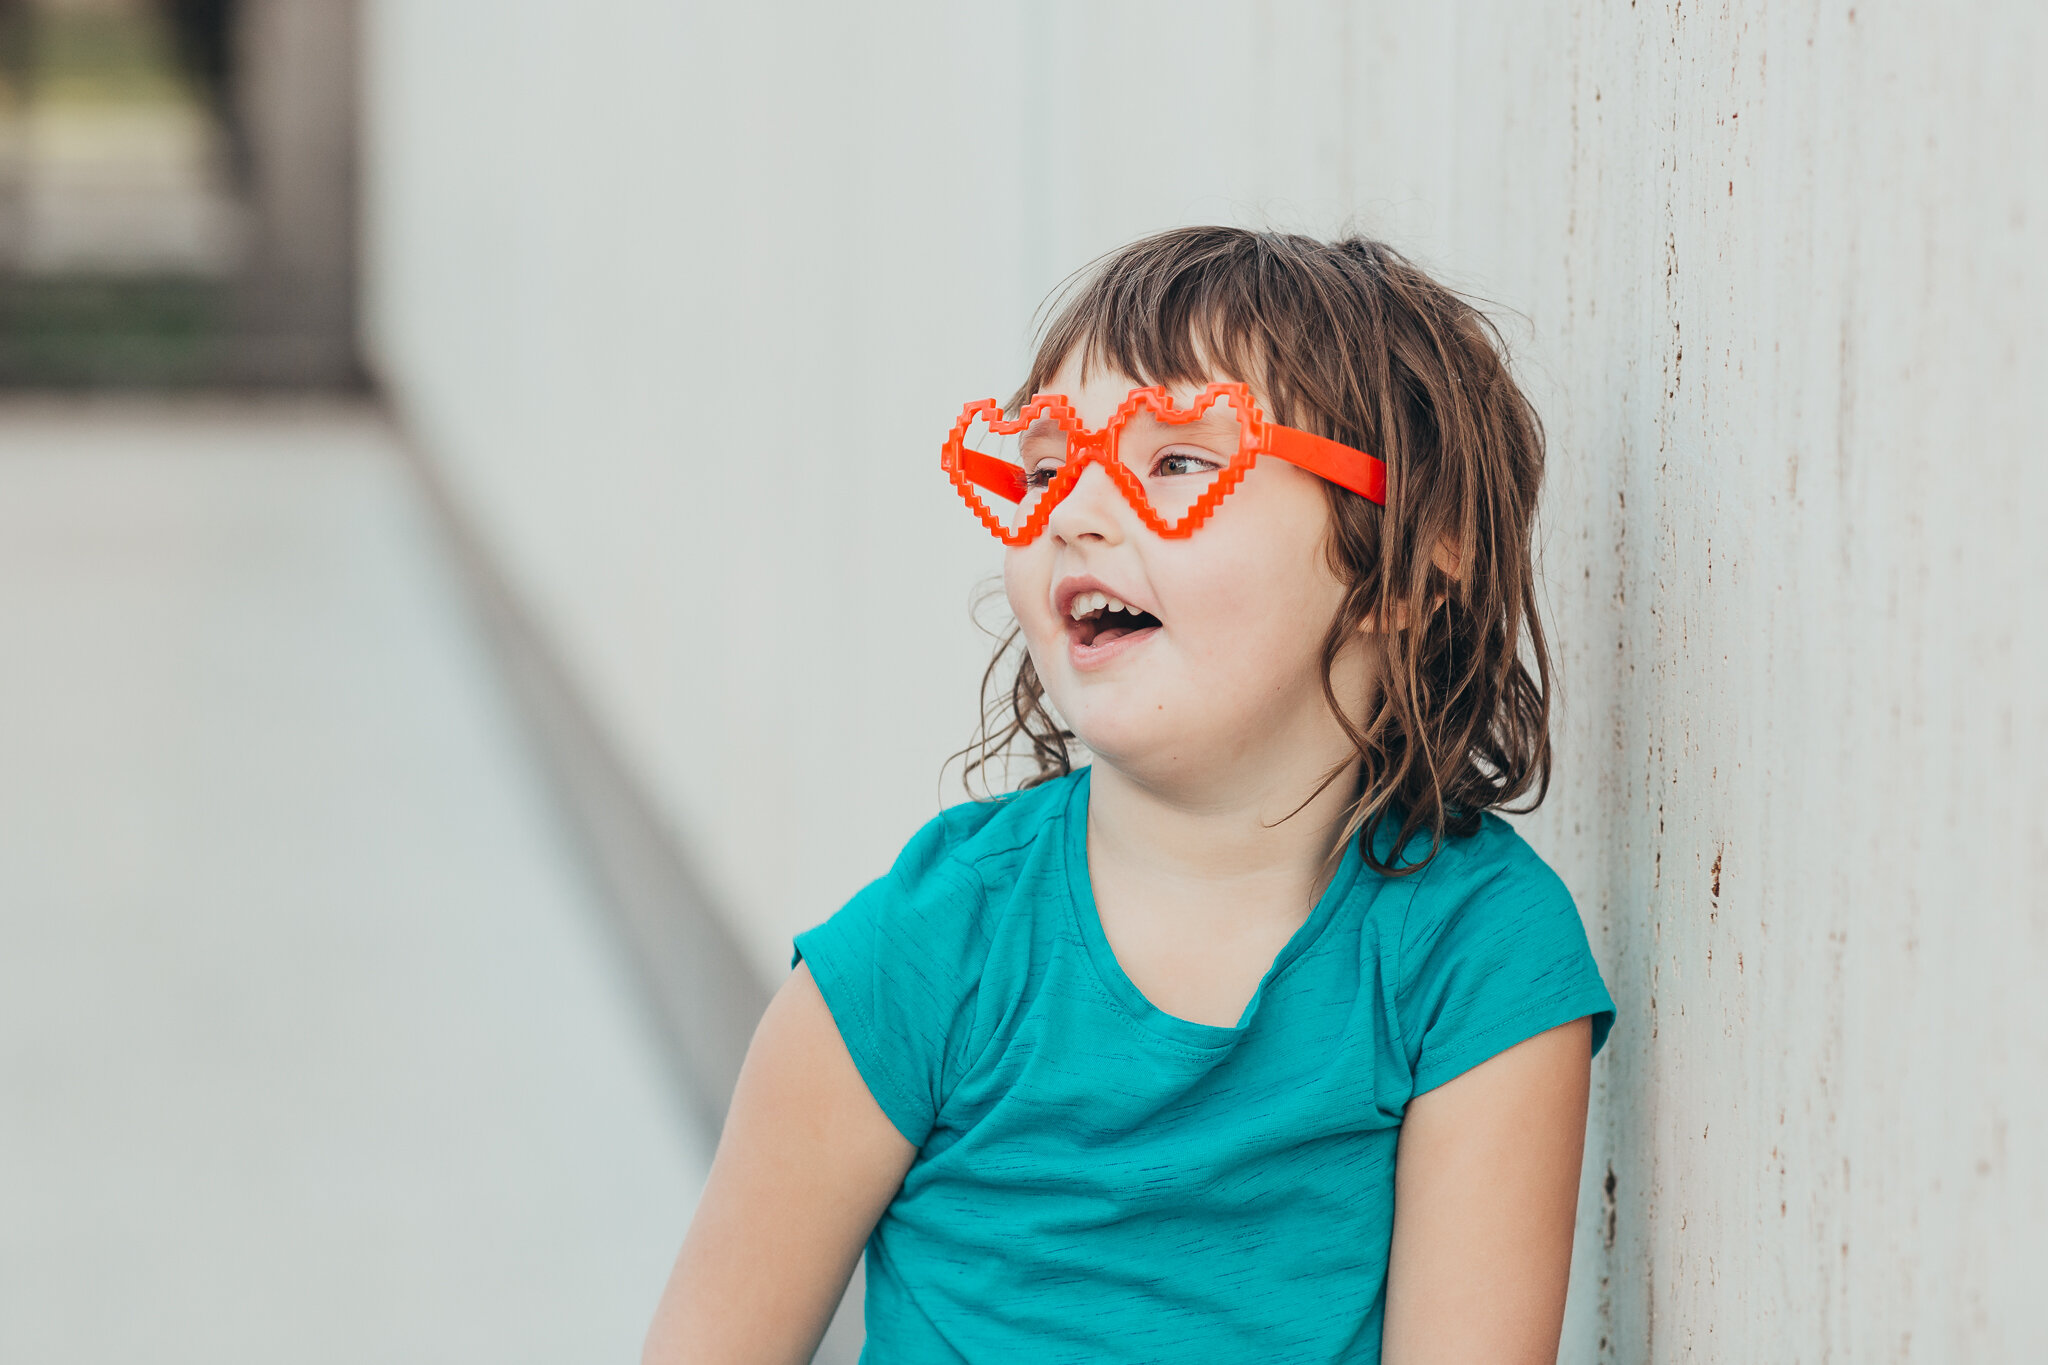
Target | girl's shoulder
(1491,948)
(1483,885)
(901,964)
(976,841)
(1492,861)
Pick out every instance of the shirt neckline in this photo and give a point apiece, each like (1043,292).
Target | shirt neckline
(1125,993)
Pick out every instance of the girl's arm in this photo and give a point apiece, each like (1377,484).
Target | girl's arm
(805,1166)
(1486,1184)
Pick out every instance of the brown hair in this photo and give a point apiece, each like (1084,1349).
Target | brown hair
(1351,341)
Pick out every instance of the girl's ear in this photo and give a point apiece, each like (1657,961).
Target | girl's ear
(1448,562)
(1397,619)
(1448,557)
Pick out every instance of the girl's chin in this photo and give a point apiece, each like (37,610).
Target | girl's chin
(1135,740)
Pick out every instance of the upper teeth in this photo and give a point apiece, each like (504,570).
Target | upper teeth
(1087,602)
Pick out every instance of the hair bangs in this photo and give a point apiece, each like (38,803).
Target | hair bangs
(1160,317)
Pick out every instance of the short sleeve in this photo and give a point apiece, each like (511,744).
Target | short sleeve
(1485,967)
(897,966)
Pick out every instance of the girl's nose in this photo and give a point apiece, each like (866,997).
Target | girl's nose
(1092,508)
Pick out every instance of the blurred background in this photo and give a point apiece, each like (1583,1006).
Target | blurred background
(177,193)
(475,580)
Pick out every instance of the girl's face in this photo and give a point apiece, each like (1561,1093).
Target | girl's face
(1224,677)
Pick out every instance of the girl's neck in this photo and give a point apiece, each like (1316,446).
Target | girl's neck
(1233,851)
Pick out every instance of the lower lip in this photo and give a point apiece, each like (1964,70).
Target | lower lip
(1090,657)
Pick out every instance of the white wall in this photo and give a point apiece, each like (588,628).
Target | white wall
(634,266)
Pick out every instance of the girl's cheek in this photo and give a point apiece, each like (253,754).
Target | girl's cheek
(1217,596)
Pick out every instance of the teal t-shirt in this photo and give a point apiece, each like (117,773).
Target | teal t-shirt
(1098,1180)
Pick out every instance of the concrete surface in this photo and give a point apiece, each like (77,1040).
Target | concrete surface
(314,1044)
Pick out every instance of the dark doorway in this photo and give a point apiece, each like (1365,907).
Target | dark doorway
(177,193)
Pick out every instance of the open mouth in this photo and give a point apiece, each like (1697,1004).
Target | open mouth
(1096,619)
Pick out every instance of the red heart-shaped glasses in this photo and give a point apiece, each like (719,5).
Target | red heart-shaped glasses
(1174,465)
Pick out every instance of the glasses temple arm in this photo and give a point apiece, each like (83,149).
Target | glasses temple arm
(1340,464)
(999,477)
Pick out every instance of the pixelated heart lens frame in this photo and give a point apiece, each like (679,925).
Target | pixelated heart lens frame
(1174,465)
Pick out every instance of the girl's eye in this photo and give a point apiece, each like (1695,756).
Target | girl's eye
(1182,462)
(1040,476)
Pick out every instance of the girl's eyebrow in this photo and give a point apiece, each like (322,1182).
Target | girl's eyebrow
(1216,420)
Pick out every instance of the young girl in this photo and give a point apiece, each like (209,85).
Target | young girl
(1260,1038)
